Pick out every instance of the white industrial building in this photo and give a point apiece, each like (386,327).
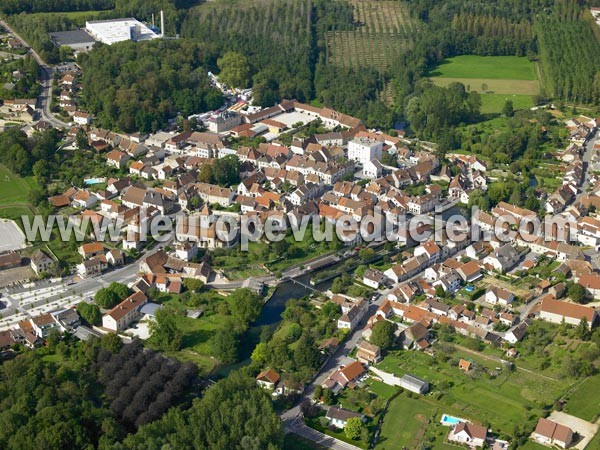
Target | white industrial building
(363,150)
(118,30)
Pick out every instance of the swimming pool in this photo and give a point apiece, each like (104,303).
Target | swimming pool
(469,288)
(449,421)
(90,181)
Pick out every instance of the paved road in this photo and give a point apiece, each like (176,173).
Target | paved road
(297,426)
(386,377)
(47,79)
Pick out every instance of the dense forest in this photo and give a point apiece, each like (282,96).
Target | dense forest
(433,111)
(26,156)
(103,394)
(37,6)
(569,52)
(140,87)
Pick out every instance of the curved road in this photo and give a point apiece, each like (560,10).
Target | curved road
(46,78)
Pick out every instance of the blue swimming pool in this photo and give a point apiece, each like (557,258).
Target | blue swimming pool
(91,181)
(469,288)
(450,420)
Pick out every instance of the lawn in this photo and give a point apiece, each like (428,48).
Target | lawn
(492,103)
(488,67)
(503,400)
(584,402)
(497,78)
(406,422)
(14,189)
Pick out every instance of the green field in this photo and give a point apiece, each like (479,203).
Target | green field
(14,194)
(497,78)
(486,67)
(14,189)
(405,422)
(508,398)
(584,402)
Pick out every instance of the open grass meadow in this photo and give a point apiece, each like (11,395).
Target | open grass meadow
(14,195)
(487,67)
(496,78)
(584,401)
(14,189)
(406,422)
(503,400)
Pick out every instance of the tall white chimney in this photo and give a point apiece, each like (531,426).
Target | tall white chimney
(162,24)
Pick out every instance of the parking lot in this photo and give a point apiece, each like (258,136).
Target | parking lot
(12,236)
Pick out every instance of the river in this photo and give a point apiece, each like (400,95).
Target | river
(271,315)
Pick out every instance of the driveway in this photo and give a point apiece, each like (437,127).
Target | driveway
(388,378)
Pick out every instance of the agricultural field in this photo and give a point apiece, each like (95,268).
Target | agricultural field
(383,29)
(497,78)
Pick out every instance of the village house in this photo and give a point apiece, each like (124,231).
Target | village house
(373,278)
(368,353)
(502,258)
(40,262)
(338,417)
(117,159)
(84,199)
(268,379)
(350,319)
(121,316)
(92,249)
(551,433)
(591,283)
(93,266)
(468,433)
(43,325)
(516,333)
(345,375)
(496,295)
(556,311)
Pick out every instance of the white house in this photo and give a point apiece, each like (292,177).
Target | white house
(496,295)
(268,379)
(338,417)
(81,118)
(372,169)
(468,433)
(373,278)
(121,316)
